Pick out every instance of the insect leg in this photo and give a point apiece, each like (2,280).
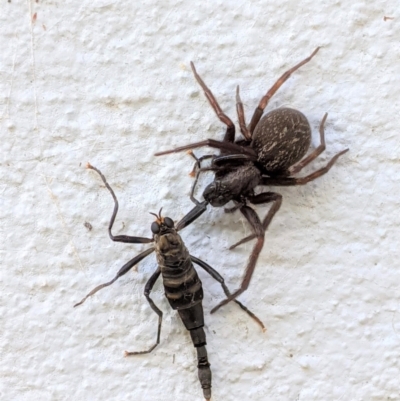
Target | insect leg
(264,101)
(216,276)
(195,213)
(124,269)
(147,291)
(118,238)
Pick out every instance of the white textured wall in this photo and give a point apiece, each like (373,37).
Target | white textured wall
(109,82)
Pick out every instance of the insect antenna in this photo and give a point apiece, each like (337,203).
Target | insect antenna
(158,216)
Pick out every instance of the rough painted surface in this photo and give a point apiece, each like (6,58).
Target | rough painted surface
(110,83)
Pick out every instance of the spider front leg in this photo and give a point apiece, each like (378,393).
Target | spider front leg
(197,169)
(226,147)
(200,207)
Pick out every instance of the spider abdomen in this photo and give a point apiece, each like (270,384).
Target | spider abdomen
(284,134)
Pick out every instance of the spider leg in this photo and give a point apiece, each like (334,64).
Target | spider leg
(258,229)
(240,112)
(299,166)
(264,101)
(264,197)
(147,290)
(230,127)
(289,181)
(222,145)
(227,145)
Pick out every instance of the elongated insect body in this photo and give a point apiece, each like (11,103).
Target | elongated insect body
(184,291)
(182,285)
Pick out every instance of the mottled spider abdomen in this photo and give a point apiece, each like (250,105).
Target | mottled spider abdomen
(284,134)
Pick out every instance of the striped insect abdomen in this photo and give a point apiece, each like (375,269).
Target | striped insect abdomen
(183,287)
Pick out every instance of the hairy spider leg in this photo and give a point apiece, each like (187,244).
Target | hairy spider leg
(258,112)
(261,227)
(313,155)
(227,145)
(240,112)
(230,127)
(291,181)
(212,143)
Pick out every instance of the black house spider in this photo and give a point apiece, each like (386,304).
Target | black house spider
(270,154)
